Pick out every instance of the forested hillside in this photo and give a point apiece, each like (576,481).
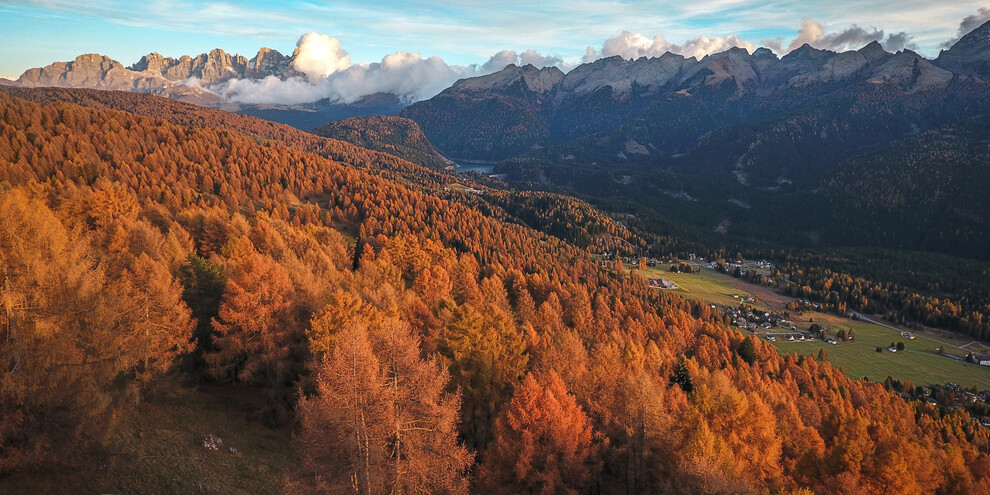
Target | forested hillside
(413,341)
(393,135)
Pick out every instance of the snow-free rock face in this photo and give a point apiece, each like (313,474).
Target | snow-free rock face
(266,63)
(99,72)
(970,55)
(527,78)
(209,68)
(647,74)
(910,72)
(157,74)
(90,70)
(838,67)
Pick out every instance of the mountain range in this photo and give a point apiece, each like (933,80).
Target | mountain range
(703,148)
(195,80)
(814,148)
(662,106)
(551,105)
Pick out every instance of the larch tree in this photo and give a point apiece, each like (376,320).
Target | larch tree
(380,419)
(256,333)
(153,312)
(57,351)
(342,426)
(544,443)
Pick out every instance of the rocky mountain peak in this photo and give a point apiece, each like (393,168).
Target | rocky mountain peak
(735,64)
(764,52)
(88,70)
(541,80)
(266,63)
(910,72)
(970,55)
(527,77)
(873,52)
(153,62)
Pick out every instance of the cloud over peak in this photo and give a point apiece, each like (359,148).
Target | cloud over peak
(852,38)
(323,70)
(631,46)
(968,24)
(318,55)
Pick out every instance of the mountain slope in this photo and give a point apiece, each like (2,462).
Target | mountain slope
(970,55)
(926,193)
(491,116)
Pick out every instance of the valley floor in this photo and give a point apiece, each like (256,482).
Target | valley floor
(919,362)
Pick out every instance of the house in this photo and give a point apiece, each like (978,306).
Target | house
(982,359)
(662,283)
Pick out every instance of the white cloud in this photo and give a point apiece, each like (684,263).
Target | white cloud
(272,90)
(499,61)
(532,57)
(406,74)
(632,46)
(318,55)
(328,73)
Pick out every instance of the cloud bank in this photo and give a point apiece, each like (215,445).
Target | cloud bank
(322,69)
(855,37)
(632,46)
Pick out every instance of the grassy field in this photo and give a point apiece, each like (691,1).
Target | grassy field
(919,362)
(159,448)
(859,359)
(707,285)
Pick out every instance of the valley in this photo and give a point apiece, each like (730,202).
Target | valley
(920,362)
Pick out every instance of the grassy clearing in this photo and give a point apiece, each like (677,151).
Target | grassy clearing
(919,362)
(860,360)
(159,449)
(708,285)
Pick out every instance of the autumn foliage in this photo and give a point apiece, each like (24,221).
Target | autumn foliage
(415,340)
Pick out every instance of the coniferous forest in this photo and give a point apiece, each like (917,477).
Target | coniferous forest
(409,339)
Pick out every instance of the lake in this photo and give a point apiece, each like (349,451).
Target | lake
(474,166)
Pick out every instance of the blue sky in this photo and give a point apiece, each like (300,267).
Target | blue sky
(35,33)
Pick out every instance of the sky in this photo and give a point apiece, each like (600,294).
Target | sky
(466,35)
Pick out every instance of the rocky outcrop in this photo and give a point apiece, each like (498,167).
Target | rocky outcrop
(183,78)
(526,78)
(910,72)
